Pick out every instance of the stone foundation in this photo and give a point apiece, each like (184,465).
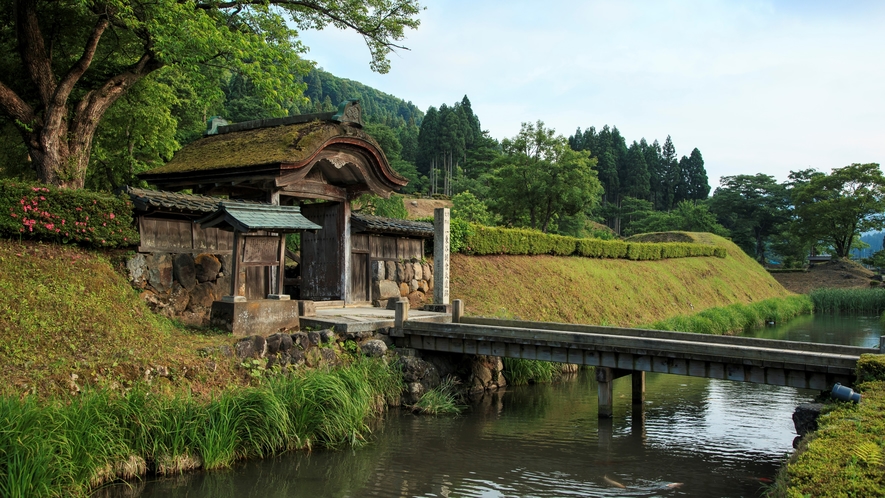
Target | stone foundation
(411,279)
(180,285)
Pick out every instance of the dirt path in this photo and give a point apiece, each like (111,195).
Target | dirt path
(834,274)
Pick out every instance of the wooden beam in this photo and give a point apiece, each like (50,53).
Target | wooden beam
(316,190)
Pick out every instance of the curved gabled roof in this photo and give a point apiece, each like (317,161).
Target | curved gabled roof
(273,155)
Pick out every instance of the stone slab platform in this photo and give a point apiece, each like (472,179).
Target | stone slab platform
(365,319)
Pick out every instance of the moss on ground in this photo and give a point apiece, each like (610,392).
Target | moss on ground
(845,456)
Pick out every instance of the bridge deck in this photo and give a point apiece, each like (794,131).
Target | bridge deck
(803,365)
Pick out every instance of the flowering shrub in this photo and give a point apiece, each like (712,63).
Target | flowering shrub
(60,215)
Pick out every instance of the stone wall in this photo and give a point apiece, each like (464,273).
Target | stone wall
(412,279)
(180,285)
(422,370)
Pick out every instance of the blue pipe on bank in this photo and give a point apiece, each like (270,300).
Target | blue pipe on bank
(844,393)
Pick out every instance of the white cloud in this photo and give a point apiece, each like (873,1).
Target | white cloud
(756,86)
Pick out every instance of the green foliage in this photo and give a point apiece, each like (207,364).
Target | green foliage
(540,178)
(737,318)
(392,207)
(441,400)
(460,233)
(687,216)
(857,301)
(104,51)
(844,456)
(64,215)
(521,372)
(870,367)
(467,207)
(498,240)
(753,208)
(836,208)
(69,446)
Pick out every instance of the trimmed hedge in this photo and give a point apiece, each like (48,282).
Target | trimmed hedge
(482,240)
(38,211)
(870,367)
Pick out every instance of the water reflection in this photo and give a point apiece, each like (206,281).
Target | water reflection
(715,437)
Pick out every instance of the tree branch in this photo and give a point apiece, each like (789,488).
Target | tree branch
(14,106)
(63,90)
(371,33)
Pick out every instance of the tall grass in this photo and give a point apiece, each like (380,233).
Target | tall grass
(849,301)
(442,399)
(737,318)
(520,372)
(68,446)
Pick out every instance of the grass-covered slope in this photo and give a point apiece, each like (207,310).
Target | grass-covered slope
(65,310)
(609,291)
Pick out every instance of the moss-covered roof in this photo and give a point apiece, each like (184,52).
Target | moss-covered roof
(290,144)
(379,224)
(147,200)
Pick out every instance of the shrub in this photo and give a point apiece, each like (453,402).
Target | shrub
(483,240)
(48,213)
(870,367)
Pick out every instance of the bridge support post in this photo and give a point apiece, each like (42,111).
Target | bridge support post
(457,310)
(400,314)
(638,378)
(605,379)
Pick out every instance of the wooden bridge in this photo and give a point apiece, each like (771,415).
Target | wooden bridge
(616,352)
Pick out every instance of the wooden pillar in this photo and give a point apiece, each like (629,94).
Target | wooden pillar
(441,247)
(344,248)
(605,380)
(882,344)
(235,269)
(638,387)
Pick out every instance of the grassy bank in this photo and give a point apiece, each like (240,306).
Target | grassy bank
(67,446)
(737,318)
(68,320)
(846,455)
(609,292)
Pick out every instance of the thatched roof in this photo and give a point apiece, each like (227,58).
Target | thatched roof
(290,144)
(301,156)
(377,224)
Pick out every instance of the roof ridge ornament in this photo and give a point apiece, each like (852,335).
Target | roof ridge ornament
(350,112)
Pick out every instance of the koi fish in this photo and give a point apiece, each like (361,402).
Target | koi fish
(612,482)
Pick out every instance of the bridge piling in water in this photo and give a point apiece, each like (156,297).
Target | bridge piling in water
(605,379)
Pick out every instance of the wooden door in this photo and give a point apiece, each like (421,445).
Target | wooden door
(321,253)
(358,291)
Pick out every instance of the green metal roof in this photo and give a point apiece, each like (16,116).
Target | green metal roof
(252,217)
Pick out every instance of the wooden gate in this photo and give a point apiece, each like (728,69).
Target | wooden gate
(321,253)
(359,270)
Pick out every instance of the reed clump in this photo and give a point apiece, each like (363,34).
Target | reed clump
(520,372)
(443,399)
(737,318)
(857,301)
(67,446)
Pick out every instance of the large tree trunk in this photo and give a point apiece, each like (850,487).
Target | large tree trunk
(58,132)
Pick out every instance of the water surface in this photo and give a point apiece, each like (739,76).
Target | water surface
(713,437)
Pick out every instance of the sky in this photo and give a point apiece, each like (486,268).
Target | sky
(757,86)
